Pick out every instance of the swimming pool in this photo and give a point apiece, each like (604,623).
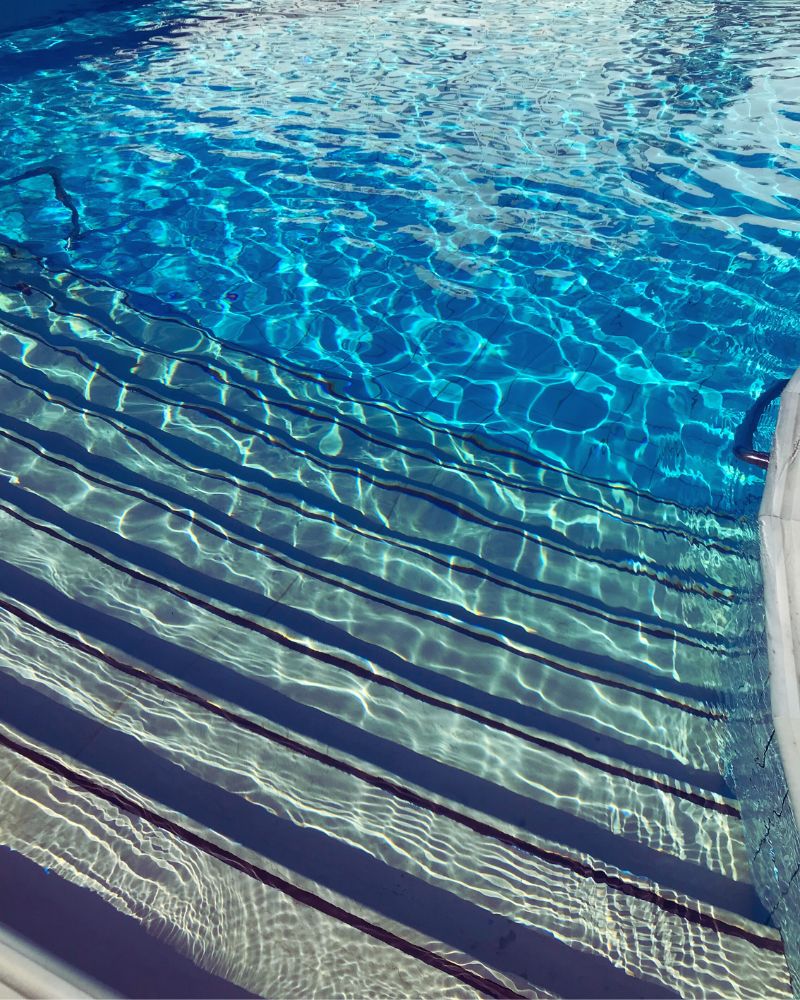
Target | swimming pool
(376,585)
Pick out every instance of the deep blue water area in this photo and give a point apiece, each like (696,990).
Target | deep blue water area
(37,13)
(573,228)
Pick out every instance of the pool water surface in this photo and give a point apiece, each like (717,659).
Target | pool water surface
(379,593)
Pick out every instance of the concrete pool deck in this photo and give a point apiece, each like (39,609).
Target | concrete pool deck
(779,522)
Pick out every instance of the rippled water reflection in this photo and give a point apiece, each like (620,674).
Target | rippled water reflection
(373,581)
(574,226)
(417,684)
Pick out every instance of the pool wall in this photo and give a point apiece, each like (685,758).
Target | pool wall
(778,521)
(770,710)
(762,753)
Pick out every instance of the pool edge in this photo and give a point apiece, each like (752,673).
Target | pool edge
(779,529)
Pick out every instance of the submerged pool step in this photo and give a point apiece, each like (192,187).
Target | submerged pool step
(407,438)
(527,549)
(223,751)
(407,671)
(326,455)
(304,553)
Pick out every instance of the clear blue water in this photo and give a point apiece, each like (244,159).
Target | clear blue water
(379,608)
(574,227)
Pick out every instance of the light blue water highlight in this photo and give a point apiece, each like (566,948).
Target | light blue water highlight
(574,227)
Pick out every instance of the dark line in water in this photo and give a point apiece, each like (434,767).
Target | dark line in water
(613,747)
(645,677)
(350,521)
(328,385)
(223,684)
(762,763)
(584,870)
(62,195)
(304,896)
(318,415)
(187,511)
(331,416)
(398,791)
(355,873)
(621,565)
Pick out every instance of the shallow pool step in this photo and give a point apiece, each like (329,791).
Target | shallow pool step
(383,682)
(538,625)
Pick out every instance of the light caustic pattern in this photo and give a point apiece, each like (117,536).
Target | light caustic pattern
(573,225)
(364,657)
(373,585)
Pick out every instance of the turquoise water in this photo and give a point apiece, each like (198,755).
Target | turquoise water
(379,595)
(574,227)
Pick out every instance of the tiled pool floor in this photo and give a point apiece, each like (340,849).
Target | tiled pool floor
(343,703)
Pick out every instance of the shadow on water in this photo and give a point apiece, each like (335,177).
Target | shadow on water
(38,13)
(700,57)
(21,62)
(109,946)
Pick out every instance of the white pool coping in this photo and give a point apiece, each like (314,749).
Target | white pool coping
(27,972)
(779,524)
